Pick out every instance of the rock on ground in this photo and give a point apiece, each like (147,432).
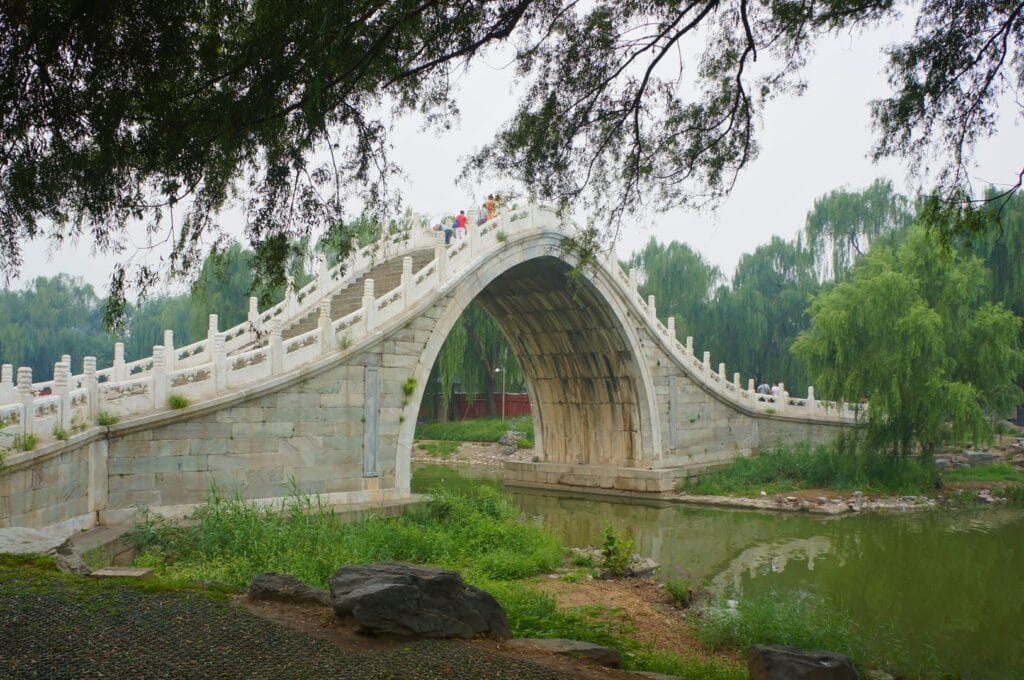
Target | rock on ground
(285,588)
(410,600)
(574,648)
(781,662)
(26,541)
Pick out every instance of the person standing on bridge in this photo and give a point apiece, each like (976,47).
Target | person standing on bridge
(460,224)
(491,206)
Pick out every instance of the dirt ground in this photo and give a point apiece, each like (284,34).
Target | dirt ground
(645,604)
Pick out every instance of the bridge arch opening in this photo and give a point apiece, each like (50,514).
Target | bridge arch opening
(579,358)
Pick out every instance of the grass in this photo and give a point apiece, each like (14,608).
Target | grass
(802,620)
(801,467)
(440,450)
(476,430)
(476,532)
(991,473)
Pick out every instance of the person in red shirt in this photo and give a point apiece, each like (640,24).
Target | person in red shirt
(460,225)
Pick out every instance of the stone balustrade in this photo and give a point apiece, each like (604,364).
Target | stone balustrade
(254,350)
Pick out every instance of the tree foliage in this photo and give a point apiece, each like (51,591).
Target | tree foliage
(843,225)
(163,114)
(909,332)
(474,355)
(51,317)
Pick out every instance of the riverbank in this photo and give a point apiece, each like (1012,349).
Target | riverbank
(959,486)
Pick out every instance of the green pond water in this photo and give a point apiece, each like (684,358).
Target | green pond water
(946,586)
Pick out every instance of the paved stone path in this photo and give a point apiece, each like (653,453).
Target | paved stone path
(56,626)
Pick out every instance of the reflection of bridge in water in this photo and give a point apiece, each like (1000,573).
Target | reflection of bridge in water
(323,388)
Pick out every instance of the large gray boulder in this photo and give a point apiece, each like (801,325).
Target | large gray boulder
(285,588)
(780,662)
(410,600)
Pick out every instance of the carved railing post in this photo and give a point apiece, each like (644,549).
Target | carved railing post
(633,285)
(736,382)
(220,363)
(120,374)
(369,306)
(651,309)
(61,377)
(781,402)
(92,387)
(254,310)
(276,346)
(28,405)
(170,358)
(750,386)
(291,300)
(707,362)
(689,345)
(441,256)
(672,330)
(159,377)
(323,275)
(211,333)
(7,384)
(721,372)
(327,343)
(812,405)
(407,282)
(471,235)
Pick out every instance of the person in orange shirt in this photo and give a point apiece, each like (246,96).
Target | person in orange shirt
(492,207)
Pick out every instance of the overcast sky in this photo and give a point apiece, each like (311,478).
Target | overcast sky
(809,146)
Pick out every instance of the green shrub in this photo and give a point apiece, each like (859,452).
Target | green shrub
(617,551)
(408,387)
(583,560)
(1013,494)
(681,591)
(106,419)
(25,442)
(177,401)
(990,473)
(501,236)
(60,433)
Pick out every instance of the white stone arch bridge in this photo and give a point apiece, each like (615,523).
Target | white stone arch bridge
(324,388)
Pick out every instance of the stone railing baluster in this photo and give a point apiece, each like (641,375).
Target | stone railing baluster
(159,375)
(369,306)
(7,384)
(170,359)
(61,377)
(28,405)
(327,343)
(91,386)
(120,374)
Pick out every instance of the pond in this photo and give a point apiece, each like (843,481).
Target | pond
(948,585)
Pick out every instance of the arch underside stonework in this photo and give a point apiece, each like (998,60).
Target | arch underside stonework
(581,372)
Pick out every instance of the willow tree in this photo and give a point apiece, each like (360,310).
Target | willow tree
(843,224)
(909,331)
(475,355)
(683,282)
